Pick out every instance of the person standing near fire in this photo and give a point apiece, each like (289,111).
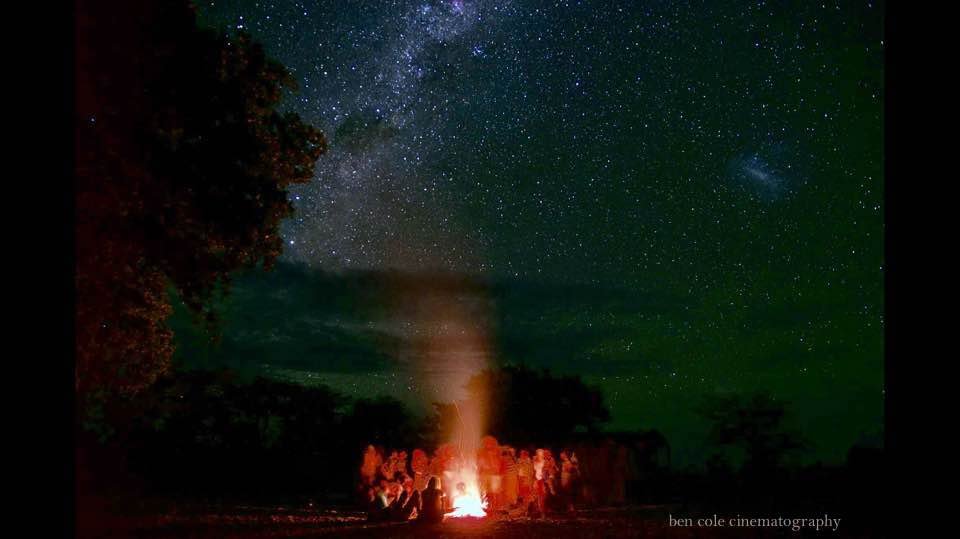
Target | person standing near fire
(508,470)
(569,478)
(372,460)
(420,465)
(539,481)
(400,465)
(550,473)
(444,466)
(488,471)
(386,468)
(524,477)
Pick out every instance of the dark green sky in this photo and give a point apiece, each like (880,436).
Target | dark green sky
(668,198)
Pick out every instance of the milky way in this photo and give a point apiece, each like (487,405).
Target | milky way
(389,114)
(557,139)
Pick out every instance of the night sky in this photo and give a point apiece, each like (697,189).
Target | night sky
(670,199)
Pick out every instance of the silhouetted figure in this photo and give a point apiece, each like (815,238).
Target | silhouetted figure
(618,475)
(378,503)
(551,479)
(569,479)
(444,464)
(525,477)
(431,503)
(397,505)
(508,470)
(488,471)
(413,504)
(403,507)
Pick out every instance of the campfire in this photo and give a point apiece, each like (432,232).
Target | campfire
(467,501)
(468,505)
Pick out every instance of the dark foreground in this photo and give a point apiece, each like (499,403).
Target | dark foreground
(275,522)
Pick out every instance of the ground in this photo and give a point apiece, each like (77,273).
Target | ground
(275,522)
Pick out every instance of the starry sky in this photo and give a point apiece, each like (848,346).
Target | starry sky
(669,199)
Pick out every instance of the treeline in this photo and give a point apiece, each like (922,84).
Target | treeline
(209,434)
(203,434)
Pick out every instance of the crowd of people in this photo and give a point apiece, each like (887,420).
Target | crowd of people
(422,487)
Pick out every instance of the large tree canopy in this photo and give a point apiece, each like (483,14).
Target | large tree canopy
(755,425)
(182,164)
(527,406)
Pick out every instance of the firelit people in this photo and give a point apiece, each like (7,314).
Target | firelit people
(511,480)
(569,479)
(420,464)
(378,502)
(525,477)
(488,471)
(406,503)
(539,482)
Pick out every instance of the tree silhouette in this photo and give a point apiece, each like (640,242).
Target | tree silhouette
(182,165)
(381,421)
(205,432)
(753,424)
(530,406)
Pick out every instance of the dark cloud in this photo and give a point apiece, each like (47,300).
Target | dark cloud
(364,321)
(361,131)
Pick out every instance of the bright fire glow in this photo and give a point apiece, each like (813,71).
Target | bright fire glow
(469,505)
